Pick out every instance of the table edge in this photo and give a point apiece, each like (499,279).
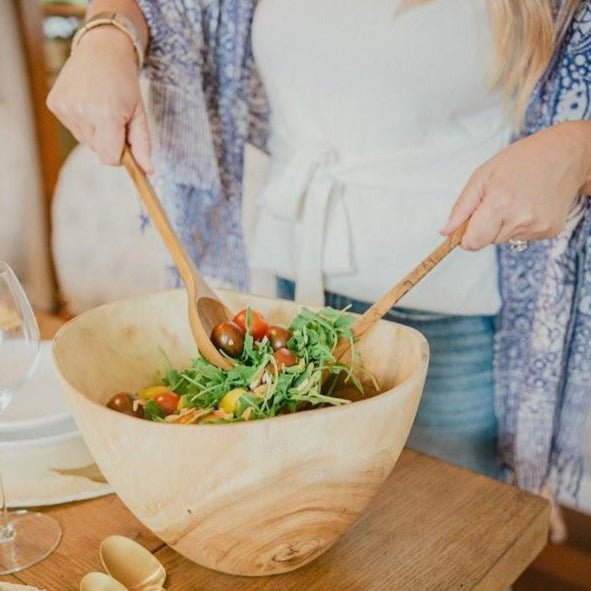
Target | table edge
(527,546)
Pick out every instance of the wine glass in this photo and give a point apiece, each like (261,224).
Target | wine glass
(25,537)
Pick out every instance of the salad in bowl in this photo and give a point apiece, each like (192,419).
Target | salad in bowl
(277,370)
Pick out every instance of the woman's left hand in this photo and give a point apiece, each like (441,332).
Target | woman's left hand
(526,191)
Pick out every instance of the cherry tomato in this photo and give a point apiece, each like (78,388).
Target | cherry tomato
(230,402)
(285,357)
(278,337)
(228,337)
(125,402)
(258,326)
(151,392)
(167,401)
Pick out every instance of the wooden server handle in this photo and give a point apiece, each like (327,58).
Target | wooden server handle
(388,300)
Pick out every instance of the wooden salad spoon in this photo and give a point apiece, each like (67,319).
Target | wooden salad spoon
(205,309)
(134,566)
(364,322)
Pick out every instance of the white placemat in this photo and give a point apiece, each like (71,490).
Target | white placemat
(51,474)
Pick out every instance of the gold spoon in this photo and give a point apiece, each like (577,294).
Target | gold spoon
(364,322)
(205,309)
(131,564)
(100,582)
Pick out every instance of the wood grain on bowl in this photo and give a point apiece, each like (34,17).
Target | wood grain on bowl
(254,498)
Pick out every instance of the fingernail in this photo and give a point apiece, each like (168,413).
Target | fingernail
(444,231)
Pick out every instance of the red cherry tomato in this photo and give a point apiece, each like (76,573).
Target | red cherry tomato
(258,326)
(168,402)
(285,358)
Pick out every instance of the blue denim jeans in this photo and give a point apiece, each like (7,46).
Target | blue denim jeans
(456,420)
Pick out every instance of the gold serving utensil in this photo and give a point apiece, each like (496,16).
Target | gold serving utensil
(131,564)
(205,309)
(100,582)
(390,299)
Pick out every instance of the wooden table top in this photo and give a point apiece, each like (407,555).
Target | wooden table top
(434,526)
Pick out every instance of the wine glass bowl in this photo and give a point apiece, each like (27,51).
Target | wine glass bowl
(19,336)
(25,537)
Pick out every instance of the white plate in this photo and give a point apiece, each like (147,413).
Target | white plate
(43,435)
(40,400)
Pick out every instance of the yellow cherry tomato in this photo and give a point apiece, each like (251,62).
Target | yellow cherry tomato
(230,402)
(151,392)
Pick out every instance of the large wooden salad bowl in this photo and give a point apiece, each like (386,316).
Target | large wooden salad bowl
(252,498)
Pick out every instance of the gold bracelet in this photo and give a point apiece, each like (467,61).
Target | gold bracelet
(112,19)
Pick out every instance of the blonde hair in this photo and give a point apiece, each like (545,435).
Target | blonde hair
(525,35)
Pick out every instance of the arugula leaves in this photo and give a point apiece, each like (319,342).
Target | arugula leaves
(153,412)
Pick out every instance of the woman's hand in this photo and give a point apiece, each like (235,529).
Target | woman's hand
(526,191)
(97,97)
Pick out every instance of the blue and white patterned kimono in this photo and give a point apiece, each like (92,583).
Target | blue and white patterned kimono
(207,102)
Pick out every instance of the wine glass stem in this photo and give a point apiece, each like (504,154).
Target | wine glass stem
(6,530)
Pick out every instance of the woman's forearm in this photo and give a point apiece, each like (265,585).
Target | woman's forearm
(127,8)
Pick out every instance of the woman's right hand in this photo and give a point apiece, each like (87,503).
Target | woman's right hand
(97,97)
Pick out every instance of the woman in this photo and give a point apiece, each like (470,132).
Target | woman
(380,113)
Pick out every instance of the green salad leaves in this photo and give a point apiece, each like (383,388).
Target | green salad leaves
(262,389)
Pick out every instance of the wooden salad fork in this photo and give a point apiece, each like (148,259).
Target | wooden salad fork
(364,322)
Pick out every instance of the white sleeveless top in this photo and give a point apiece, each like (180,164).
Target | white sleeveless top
(378,120)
